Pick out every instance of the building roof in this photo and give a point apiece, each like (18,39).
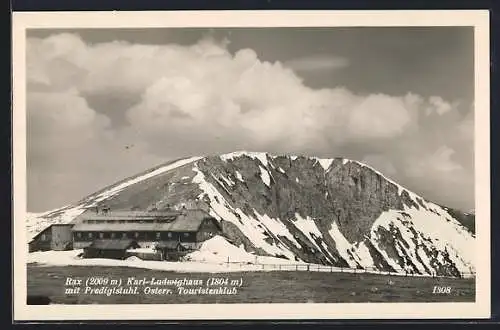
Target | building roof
(124,215)
(190,220)
(113,244)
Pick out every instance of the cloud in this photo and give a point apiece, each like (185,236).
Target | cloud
(438,105)
(86,102)
(318,63)
(379,116)
(440,161)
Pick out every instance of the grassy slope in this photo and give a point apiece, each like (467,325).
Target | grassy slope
(258,287)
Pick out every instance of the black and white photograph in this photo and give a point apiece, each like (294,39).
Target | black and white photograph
(297,164)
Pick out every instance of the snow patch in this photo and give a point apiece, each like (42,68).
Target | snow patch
(261,156)
(276,227)
(342,244)
(228,181)
(325,163)
(142,250)
(364,257)
(219,250)
(239,176)
(308,227)
(264,174)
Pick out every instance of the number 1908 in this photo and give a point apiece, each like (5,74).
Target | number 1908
(441,290)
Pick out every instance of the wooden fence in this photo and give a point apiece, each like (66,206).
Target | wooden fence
(334,269)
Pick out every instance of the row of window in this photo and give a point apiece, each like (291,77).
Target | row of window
(164,220)
(123,235)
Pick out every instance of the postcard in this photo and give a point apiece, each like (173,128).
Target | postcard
(224,165)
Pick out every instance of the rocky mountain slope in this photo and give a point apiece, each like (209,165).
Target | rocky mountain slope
(329,211)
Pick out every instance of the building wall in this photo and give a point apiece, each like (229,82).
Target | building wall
(61,238)
(83,239)
(138,236)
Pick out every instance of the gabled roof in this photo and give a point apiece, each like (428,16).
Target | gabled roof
(49,227)
(113,244)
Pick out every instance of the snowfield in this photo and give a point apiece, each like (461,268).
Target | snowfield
(208,259)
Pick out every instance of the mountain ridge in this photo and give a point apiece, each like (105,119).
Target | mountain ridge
(331,211)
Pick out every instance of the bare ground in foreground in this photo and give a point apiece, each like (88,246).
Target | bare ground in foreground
(256,287)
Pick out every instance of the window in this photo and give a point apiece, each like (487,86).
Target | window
(158,235)
(112,235)
(79,235)
(169,235)
(90,235)
(124,235)
(101,235)
(43,237)
(136,235)
(186,234)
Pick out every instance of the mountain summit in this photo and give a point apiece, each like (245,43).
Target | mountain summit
(329,211)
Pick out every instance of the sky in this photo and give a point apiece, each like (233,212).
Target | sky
(104,104)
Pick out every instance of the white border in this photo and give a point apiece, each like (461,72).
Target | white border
(477,18)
